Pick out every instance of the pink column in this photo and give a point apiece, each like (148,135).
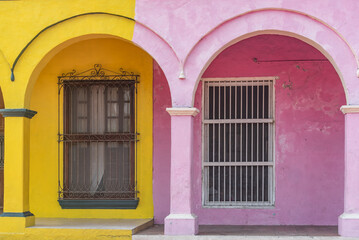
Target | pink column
(181,220)
(349,220)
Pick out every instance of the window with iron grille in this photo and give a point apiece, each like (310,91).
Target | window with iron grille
(238,142)
(97,135)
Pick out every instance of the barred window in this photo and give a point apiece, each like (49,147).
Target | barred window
(99,136)
(238,133)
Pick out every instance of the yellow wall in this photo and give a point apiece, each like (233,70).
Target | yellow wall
(112,53)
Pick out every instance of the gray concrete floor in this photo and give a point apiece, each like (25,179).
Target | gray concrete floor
(254,230)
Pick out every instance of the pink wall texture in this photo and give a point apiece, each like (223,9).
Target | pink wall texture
(309,138)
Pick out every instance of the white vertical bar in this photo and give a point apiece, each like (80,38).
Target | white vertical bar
(257,160)
(219,125)
(214,136)
(252,125)
(235,183)
(224,139)
(230,125)
(219,183)
(246,183)
(247,98)
(206,116)
(205,141)
(213,102)
(270,151)
(263,156)
(270,135)
(257,123)
(252,183)
(240,145)
(263,142)
(230,144)
(207,183)
(219,144)
(240,183)
(213,126)
(213,184)
(235,125)
(224,125)
(240,125)
(215,99)
(224,183)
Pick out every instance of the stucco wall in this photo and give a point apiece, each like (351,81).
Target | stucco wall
(309,135)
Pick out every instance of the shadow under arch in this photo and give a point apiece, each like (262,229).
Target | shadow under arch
(277,22)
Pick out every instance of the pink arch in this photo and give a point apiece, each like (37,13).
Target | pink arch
(281,22)
(160,50)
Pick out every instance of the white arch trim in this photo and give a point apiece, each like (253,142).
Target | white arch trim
(273,22)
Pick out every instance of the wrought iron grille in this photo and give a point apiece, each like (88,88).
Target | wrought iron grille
(1,151)
(238,124)
(98,134)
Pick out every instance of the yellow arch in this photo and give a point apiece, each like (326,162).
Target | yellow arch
(46,45)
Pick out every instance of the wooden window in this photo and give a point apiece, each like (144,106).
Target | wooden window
(99,137)
(238,133)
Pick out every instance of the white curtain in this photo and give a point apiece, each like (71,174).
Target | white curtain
(101,110)
(97,126)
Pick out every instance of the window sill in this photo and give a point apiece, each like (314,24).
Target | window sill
(97,204)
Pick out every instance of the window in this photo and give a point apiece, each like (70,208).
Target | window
(99,135)
(238,133)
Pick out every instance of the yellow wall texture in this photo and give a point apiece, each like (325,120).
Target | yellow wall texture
(20,21)
(112,53)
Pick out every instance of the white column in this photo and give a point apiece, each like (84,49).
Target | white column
(349,220)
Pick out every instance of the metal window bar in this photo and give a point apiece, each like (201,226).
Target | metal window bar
(238,123)
(97,135)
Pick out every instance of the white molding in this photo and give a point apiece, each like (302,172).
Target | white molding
(182,111)
(358,72)
(181,216)
(349,216)
(182,75)
(349,109)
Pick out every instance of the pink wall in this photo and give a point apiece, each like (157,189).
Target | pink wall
(183,23)
(309,135)
(185,35)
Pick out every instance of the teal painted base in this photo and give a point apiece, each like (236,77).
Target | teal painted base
(98,204)
(16,214)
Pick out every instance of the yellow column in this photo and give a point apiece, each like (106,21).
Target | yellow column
(16,215)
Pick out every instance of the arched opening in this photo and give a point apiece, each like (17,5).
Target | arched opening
(112,53)
(261,169)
